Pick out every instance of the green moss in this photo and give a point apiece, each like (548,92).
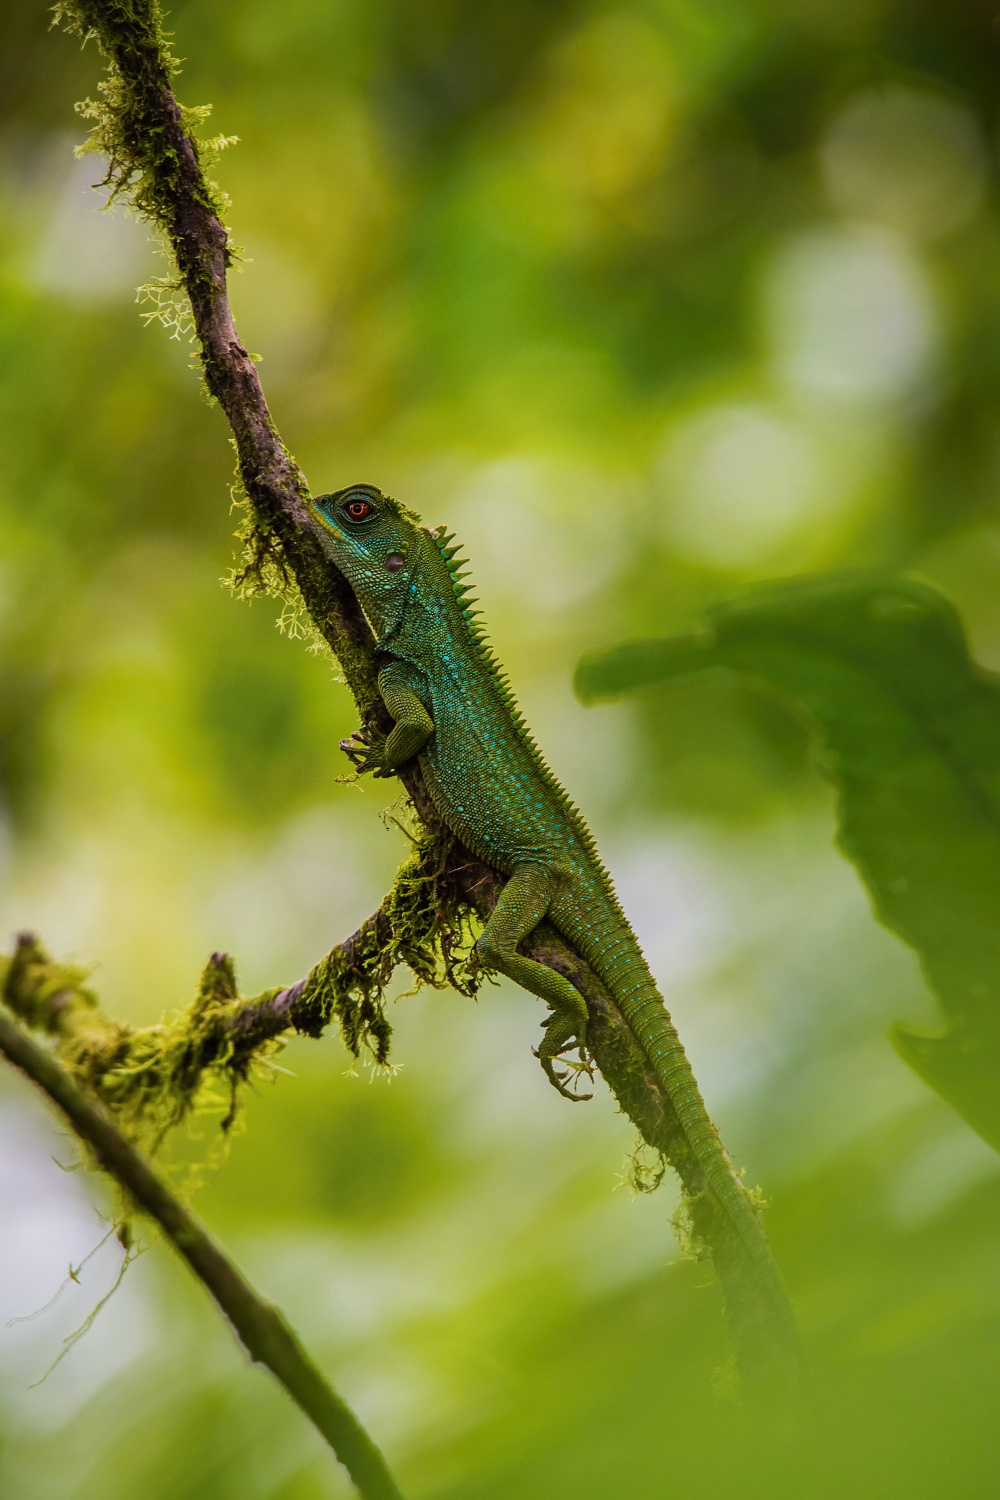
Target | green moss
(147,165)
(150,1078)
(156,164)
(47,996)
(420,924)
(153,1078)
(263,568)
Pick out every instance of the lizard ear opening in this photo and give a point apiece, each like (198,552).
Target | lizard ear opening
(394,562)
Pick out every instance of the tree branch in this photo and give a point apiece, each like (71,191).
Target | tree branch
(259,1326)
(155,159)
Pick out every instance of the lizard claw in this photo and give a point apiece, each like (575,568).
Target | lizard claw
(354,746)
(364,750)
(567,1083)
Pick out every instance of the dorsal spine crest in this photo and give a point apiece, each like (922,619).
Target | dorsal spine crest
(458,569)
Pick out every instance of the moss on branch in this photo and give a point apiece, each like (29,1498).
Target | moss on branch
(151,1078)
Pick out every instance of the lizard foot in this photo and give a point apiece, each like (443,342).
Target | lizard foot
(568,1083)
(365,749)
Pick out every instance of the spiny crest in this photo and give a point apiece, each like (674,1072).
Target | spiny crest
(459,568)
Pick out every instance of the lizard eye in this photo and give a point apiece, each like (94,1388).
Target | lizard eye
(358,510)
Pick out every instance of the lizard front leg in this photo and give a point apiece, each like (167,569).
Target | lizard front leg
(523,903)
(381,754)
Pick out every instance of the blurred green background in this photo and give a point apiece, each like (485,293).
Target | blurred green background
(647,302)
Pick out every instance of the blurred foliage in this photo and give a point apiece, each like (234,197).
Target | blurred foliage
(392,1158)
(647,301)
(911,740)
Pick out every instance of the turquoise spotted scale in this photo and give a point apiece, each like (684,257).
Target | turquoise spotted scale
(453,708)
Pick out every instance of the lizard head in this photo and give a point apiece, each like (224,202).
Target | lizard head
(374,542)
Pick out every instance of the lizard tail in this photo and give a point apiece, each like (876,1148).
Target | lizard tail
(604,937)
(643,1008)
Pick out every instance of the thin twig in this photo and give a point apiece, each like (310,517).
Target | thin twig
(73,1275)
(259,1326)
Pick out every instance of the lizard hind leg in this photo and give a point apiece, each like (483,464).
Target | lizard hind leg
(523,903)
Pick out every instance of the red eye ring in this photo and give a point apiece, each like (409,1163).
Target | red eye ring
(358,510)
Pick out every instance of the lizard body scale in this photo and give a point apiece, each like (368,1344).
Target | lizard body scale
(453,709)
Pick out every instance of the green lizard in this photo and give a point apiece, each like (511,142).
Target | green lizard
(453,709)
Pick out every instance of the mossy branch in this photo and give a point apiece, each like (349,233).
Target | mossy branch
(260,1327)
(151,1078)
(156,163)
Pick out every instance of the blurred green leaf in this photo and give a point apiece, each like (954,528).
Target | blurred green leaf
(326,1149)
(910,732)
(716,748)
